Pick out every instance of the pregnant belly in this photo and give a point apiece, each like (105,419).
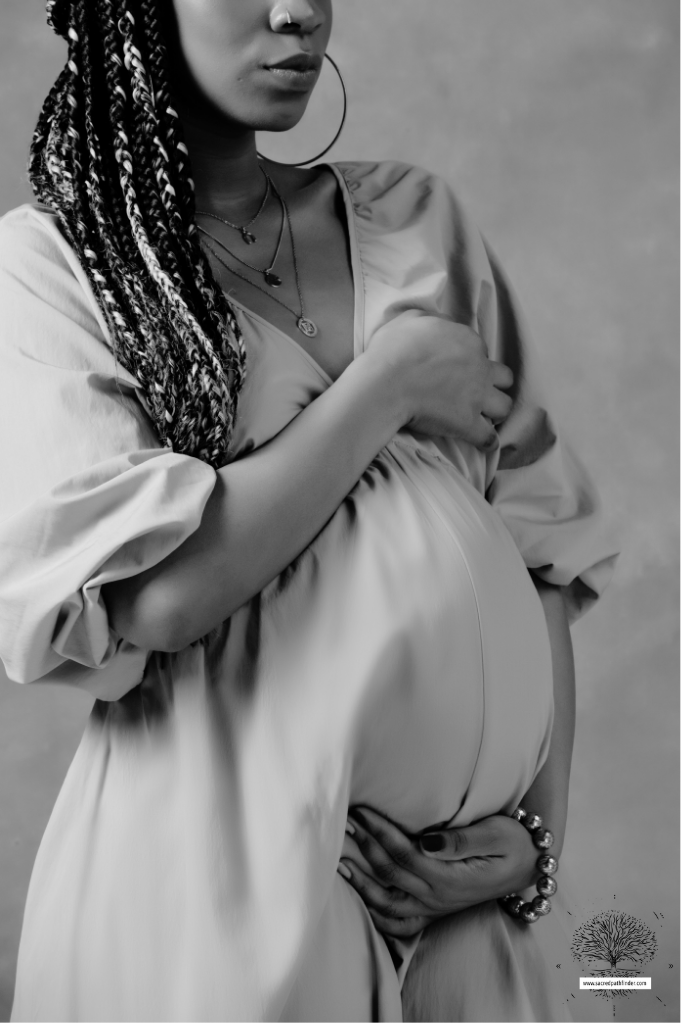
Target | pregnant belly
(424,642)
(437,662)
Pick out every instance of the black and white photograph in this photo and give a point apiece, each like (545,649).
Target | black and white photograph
(339,510)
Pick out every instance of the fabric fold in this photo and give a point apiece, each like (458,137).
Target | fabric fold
(89,495)
(420,249)
(110,522)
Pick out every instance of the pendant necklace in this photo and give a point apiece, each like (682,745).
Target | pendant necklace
(247,236)
(304,323)
(268,276)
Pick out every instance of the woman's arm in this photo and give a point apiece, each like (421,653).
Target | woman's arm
(266,508)
(262,513)
(415,880)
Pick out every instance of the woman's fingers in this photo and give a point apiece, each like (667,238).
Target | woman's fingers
(389,852)
(496,405)
(399,927)
(391,838)
(443,872)
(483,434)
(501,375)
(483,839)
(352,852)
(390,903)
(446,382)
(349,849)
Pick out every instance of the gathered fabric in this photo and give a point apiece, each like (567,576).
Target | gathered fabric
(402,662)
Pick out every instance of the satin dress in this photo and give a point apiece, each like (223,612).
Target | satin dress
(188,871)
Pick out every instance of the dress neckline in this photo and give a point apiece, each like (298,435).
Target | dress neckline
(358,288)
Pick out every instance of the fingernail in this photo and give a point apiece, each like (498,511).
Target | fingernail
(432,842)
(350,828)
(343,870)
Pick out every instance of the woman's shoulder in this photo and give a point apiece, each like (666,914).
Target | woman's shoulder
(392,190)
(40,270)
(391,196)
(35,255)
(386,173)
(406,183)
(31,230)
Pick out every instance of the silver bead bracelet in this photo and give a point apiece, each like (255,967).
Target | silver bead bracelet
(546,886)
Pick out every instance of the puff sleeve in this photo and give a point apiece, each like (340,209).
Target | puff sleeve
(88,494)
(427,253)
(537,484)
(419,249)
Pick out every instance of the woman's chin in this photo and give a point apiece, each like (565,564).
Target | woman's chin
(281,126)
(282,111)
(282,123)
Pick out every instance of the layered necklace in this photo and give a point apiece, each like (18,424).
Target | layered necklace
(304,323)
(247,236)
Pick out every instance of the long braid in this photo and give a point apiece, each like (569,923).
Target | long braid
(109,158)
(179,166)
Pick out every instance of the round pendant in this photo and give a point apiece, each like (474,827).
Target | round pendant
(247,236)
(272,279)
(307,327)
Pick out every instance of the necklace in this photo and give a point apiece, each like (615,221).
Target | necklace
(304,323)
(247,235)
(268,276)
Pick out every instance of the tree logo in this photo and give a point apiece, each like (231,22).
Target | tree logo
(612,937)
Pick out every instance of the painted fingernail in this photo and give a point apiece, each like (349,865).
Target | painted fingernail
(343,870)
(433,842)
(350,828)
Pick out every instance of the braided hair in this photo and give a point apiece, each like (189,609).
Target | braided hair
(109,158)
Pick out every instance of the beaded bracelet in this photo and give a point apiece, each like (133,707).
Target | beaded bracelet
(546,885)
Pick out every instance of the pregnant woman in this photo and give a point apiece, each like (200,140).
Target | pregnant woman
(258,509)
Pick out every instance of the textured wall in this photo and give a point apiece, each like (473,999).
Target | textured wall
(557,123)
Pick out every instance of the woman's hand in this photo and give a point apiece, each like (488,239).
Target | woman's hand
(420,371)
(444,378)
(408,881)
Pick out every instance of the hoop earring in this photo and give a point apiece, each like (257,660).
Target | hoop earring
(302,163)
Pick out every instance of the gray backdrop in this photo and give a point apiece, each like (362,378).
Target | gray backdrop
(557,123)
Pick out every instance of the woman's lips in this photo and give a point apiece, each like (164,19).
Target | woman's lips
(294,77)
(298,62)
(299,70)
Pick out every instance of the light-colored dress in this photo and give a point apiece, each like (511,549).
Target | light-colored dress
(188,871)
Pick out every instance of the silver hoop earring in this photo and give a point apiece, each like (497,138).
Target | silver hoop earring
(302,163)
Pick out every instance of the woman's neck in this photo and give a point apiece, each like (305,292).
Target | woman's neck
(225,169)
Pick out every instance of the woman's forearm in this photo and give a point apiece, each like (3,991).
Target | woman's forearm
(549,792)
(264,510)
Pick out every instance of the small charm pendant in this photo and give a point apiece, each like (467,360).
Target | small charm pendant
(272,279)
(247,236)
(307,327)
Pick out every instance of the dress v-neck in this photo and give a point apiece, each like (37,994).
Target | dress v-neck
(358,289)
